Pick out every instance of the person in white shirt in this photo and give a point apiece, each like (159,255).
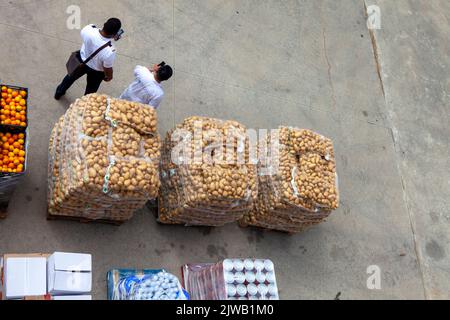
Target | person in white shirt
(101,66)
(147,88)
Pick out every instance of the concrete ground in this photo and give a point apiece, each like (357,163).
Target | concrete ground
(382,96)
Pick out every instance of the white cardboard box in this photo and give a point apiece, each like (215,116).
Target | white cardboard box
(69,273)
(24,276)
(72,298)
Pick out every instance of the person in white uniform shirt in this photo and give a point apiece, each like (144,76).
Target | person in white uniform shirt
(147,88)
(101,66)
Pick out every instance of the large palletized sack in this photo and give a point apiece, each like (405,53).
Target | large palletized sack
(206,175)
(298,187)
(103,159)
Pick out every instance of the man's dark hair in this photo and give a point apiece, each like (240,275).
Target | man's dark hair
(112,26)
(164,73)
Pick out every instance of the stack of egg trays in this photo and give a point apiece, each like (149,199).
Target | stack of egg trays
(232,279)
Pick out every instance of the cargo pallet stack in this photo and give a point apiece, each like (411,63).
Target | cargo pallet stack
(103,160)
(300,187)
(215,189)
(13,141)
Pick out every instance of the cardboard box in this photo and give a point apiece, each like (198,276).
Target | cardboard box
(69,273)
(38,298)
(24,275)
(72,298)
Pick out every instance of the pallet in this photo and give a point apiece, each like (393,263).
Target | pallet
(52,217)
(245,225)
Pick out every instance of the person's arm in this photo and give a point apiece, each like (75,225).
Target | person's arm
(108,67)
(108,74)
(156,101)
(142,74)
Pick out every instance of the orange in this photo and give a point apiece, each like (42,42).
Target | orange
(22,102)
(18,108)
(22,117)
(4,139)
(23,93)
(9,91)
(11,154)
(17,99)
(2,117)
(14,94)
(6,145)
(7,121)
(4,89)
(19,123)
(23,124)
(22,159)
(7,112)
(4,95)
(21,141)
(10,140)
(5,152)
(11,165)
(8,101)
(13,113)
(21,135)
(22,153)
(16,162)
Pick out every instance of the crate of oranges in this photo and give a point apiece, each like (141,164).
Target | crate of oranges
(13,153)
(13,107)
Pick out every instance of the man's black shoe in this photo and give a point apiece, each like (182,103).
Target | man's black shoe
(58,95)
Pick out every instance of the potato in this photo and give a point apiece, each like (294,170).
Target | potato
(209,193)
(303,192)
(90,155)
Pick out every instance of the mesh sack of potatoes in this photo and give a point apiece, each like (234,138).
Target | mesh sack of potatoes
(298,184)
(206,175)
(103,159)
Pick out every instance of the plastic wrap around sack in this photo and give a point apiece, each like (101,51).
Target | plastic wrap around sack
(302,190)
(213,191)
(125,284)
(103,159)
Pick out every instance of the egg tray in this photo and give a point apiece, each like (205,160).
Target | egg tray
(232,279)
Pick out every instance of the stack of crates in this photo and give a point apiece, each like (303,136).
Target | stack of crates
(13,157)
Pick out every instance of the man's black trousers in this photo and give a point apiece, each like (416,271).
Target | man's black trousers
(94,79)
